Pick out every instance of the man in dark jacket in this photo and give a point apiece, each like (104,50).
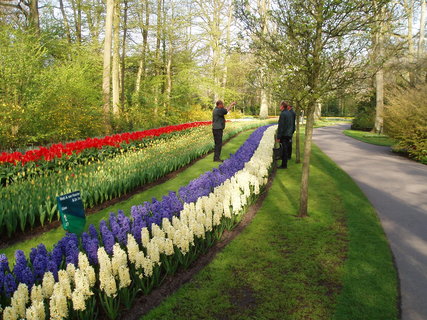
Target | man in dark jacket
(218,125)
(284,132)
(291,110)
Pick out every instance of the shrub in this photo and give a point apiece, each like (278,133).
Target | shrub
(364,118)
(405,119)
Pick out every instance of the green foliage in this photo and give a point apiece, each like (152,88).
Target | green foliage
(49,238)
(364,119)
(331,265)
(49,91)
(405,119)
(28,201)
(372,138)
(21,58)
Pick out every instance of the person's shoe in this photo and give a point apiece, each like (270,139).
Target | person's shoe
(282,167)
(218,160)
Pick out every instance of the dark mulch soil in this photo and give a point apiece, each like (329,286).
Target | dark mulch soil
(144,304)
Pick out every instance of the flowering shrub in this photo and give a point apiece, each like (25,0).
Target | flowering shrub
(130,255)
(28,202)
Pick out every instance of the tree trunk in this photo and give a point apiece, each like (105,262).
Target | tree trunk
(122,66)
(297,135)
(303,208)
(65,19)
(263,110)
(216,49)
(157,55)
(318,111)
(379,88)
(107,65)
(410,39)
(314,78)
(34,18)
(379,79)
(227,44)
(77,13)
(141,67)
(116,58)
(422,28)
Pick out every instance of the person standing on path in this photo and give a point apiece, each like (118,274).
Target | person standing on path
(218,125)
(284,132)
(291,110)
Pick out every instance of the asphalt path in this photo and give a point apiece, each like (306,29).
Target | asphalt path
(397,188)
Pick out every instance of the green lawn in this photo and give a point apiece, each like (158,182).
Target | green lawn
(201,166)
(335,264)
(369,137)
(330,121)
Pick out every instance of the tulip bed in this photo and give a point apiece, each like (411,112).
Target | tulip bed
(31,202)
(17,166)
(105,270)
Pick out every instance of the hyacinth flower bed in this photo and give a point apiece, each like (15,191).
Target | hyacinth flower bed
(103,272)
(30,202)
(17,166)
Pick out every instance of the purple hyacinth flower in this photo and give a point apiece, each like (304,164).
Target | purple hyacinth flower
(57,254)
(92,231)
(72,253)
(53,267)
(4,264)
(40,265)
(107,237)
(90,246)
(9,285)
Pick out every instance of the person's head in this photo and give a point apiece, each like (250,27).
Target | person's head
(283,105)
(220,104)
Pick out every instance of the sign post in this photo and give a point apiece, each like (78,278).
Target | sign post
(72,212)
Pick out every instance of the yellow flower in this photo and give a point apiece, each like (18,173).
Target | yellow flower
(36,311)
(64,281)
(36,294)
(145,237)
(47,284)
(124,277)
(58,303)
(9,313)
(132,248)
(20,299)
(78,299)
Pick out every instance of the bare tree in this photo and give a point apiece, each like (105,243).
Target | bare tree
(106,76)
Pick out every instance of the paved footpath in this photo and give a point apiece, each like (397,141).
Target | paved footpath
(397,188)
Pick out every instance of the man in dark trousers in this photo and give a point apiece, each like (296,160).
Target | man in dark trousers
(218,125)
(291,110)
(284,132)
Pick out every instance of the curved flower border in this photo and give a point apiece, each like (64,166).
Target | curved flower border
(135,253)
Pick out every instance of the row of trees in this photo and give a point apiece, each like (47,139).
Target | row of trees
(73,68)
(323,48)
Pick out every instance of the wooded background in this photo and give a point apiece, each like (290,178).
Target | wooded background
(76,68)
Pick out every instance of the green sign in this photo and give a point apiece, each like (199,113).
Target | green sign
(72,212)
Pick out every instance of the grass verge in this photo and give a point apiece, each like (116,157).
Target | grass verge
(335,264)
(372,138)
(182,178)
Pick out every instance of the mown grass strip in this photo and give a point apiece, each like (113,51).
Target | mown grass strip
(335,264)
(372,138)
(51,237)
